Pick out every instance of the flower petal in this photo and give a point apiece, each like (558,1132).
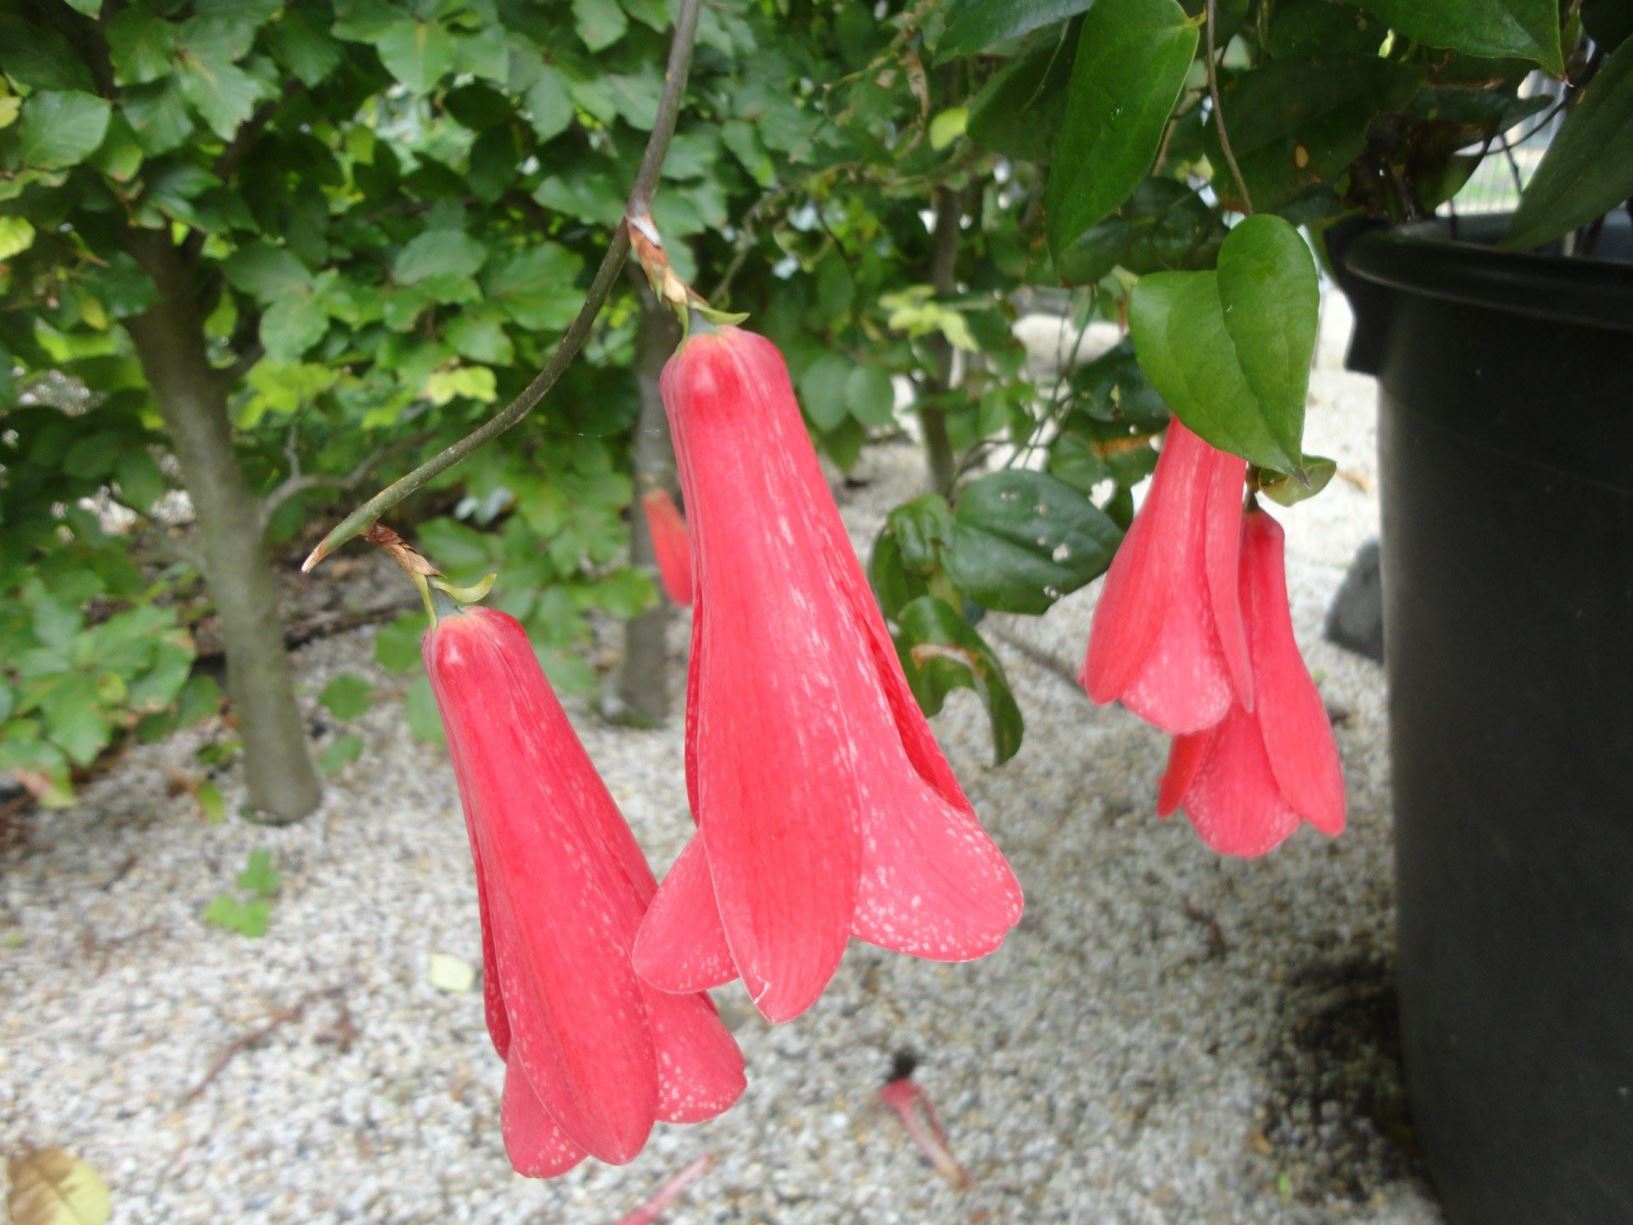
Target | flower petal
(934,884)
(536,1146)
(700,1069)
(669,544)
(681,945)
(1222,549)
(1185,756)
(1234,802)
(1291,715)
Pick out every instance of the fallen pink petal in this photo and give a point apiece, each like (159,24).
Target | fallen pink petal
(918,1114)
(668,1192)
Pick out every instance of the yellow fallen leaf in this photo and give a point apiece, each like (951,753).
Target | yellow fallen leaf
(454,975)
(53,1187)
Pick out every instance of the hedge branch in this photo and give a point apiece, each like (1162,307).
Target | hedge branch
(578,331)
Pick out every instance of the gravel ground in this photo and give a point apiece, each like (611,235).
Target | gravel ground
(1167,1037)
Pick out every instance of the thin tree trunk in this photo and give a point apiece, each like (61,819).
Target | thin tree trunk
(938,449)
(642,690)
(192,398)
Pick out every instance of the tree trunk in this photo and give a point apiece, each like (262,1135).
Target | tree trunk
(938,449)
(642,691)
(192,398)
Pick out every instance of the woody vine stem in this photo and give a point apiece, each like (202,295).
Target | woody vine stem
(1218,111)
(638,206)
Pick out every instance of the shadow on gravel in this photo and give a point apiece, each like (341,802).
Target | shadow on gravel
(1337,1097)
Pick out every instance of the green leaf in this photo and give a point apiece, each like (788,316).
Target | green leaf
(1320,29)
(40,57)
(438,253)
(347,696)
(199,698)
(417,53)
(222,93)
(549,108)
(940,652)
(397,643)
(290,326)
(89,8)
(822,390)
(158,115)
(1494,29)
(948,126)
(1020,109)
(60,128)
(1021,540)
(1588,168)
(870,396)
(246,918)
(1289,489)
(259,876)
(73,718)
(340,753)
(304,49)
(140,481)
(1230,351)
(1163,226)
(16,235)
(1295,123)
(421,707)
(600,22)
(142,46)
(1132,57)
(537,288)
(266,272)
(213,807)
(975,25)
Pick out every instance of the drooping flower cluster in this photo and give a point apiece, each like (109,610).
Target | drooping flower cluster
(825,808)
(593,1056)
(1194,635)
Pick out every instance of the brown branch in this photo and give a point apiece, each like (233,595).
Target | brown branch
(255,1037)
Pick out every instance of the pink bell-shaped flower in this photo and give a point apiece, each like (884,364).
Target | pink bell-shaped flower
(593,1056)
(825,808)
(669,545)
(1167,636)
(1248,782)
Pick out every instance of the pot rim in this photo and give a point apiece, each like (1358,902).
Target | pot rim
(1423,258)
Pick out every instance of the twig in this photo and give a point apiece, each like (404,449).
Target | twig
(1218,946)
(909,1100)
(638,204)
(1219,113)
(299,482)
(255,1037)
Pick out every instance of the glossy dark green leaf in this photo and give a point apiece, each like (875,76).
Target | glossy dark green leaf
(1132,58)
(1229,351)
(1528,29)
(1163,226)
(1020,110)
(975,25)
(1021,540)
(1588,169)
(1322,30)
(940,652)
(1295,123)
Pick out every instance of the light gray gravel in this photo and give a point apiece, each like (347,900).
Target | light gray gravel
(1167,1037)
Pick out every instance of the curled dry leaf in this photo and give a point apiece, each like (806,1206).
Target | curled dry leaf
(53,1187)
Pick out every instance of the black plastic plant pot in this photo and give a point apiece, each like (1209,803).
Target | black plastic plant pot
(1506,447)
